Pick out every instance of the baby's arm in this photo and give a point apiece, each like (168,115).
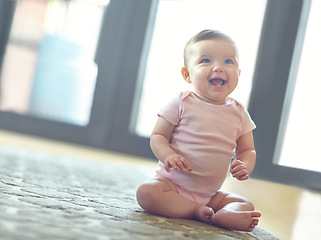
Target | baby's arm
(159,142)
(245,153)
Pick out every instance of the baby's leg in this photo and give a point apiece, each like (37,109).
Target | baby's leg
(160,196)
(233,212)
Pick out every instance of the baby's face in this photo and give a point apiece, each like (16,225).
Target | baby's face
(212,69)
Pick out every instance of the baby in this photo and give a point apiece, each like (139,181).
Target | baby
(196,136)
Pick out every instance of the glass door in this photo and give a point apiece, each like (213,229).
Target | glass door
(63,71)
(284,100)
(48,69)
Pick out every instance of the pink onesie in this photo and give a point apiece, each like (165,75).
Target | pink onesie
(206,135)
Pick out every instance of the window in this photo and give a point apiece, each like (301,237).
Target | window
(301,127)
(87,34)
(49,69)
(273,104)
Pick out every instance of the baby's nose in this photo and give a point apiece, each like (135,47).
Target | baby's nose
(217,68)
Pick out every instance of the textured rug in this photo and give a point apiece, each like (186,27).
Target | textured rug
(46,196)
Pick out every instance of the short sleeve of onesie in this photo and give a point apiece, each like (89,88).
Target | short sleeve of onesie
(173,110)
(248,124)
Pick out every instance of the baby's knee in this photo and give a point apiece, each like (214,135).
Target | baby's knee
(141,192)
(145,196)
(249,204)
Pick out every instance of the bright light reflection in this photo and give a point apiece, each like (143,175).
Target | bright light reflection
(303,130)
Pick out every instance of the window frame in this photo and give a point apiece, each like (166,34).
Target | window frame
(6,16)
(124,138)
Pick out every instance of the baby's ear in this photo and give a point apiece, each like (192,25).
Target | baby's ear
(185,74)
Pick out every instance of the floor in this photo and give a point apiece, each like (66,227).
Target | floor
(287,212)
(51,196)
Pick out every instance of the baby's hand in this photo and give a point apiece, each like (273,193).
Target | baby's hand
(177,162)
(239,171)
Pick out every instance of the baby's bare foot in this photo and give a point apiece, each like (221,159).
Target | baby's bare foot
(236,220)
(204,214)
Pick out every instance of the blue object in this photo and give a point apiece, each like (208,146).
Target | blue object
(63,83)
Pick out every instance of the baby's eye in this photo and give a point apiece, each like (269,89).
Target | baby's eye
(228,61)
(205,60)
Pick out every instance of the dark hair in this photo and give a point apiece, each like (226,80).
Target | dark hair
(206,34)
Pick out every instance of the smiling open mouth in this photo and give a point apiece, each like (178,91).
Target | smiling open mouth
(217,82)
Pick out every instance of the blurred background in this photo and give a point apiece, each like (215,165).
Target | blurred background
(87,78)
(95,72)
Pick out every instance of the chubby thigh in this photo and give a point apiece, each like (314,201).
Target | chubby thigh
(201,199)
(167,186)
